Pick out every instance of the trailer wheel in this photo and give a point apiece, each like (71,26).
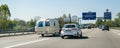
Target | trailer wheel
(62,37)
(42,35)
(54,34)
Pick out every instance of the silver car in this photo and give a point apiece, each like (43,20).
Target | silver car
(71,30)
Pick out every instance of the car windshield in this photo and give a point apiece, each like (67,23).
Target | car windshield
(69,26)
(105,26)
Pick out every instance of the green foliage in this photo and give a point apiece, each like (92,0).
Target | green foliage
(61,20)
(99,22)
(17,27)
(4,16)
(70,17)
(4,12)
(118,15)
(108,23)
(20,24)
(31,23)
(116,22)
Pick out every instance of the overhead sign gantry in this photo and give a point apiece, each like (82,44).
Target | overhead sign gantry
(89,15)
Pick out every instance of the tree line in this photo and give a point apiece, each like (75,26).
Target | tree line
(7,24)
(110,23)
(17,24)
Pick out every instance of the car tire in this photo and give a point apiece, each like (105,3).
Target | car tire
(54,34)
(42,35)
(81,35)
(62,37)
(102,30)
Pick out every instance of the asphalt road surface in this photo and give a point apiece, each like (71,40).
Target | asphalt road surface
(92,38)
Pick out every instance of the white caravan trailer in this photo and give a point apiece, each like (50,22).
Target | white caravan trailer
(47,26)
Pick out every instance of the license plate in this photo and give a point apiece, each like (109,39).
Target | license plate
(68,30)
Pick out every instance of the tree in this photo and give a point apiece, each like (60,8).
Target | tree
(99,22)
(31,23)
(11,24)
(118,15)
(116,22)
(20,25)
(70,17)
(108,23)
(4,16)
(61,20)
(4,11)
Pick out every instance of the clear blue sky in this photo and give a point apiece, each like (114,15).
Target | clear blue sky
(27,9)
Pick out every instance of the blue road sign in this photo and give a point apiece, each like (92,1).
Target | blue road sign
(89,15)
(107,15)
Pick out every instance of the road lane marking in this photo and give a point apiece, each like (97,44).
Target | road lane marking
(90,35)
(26,43)
(115,32)
(118,33)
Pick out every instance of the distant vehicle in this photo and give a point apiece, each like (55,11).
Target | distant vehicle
(82,27)
(100,27)
(71,30)
(89,27)
(47,26)
(105,28)
(31,29)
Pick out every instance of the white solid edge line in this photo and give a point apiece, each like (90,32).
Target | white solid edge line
(118,33)
(26,43)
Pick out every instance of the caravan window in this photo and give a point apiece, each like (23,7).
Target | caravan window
(40,24)
(47,23)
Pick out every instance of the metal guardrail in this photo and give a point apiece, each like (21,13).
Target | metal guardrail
(15,33)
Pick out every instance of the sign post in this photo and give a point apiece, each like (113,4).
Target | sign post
(107,16)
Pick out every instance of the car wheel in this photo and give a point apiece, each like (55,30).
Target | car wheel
(54,34)
(81,35)
(42,35)
(62,37)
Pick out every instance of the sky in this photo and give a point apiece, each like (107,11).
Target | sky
(28,9)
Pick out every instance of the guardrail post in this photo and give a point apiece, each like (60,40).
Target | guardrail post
(27,32)
(9,34)
(15,33)
(23,33)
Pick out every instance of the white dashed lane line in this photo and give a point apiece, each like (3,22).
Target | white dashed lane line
(118,33)
(90,35)
(27,43)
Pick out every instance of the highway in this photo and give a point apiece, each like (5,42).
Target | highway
(92,38)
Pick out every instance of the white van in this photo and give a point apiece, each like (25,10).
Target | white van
(47,26)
